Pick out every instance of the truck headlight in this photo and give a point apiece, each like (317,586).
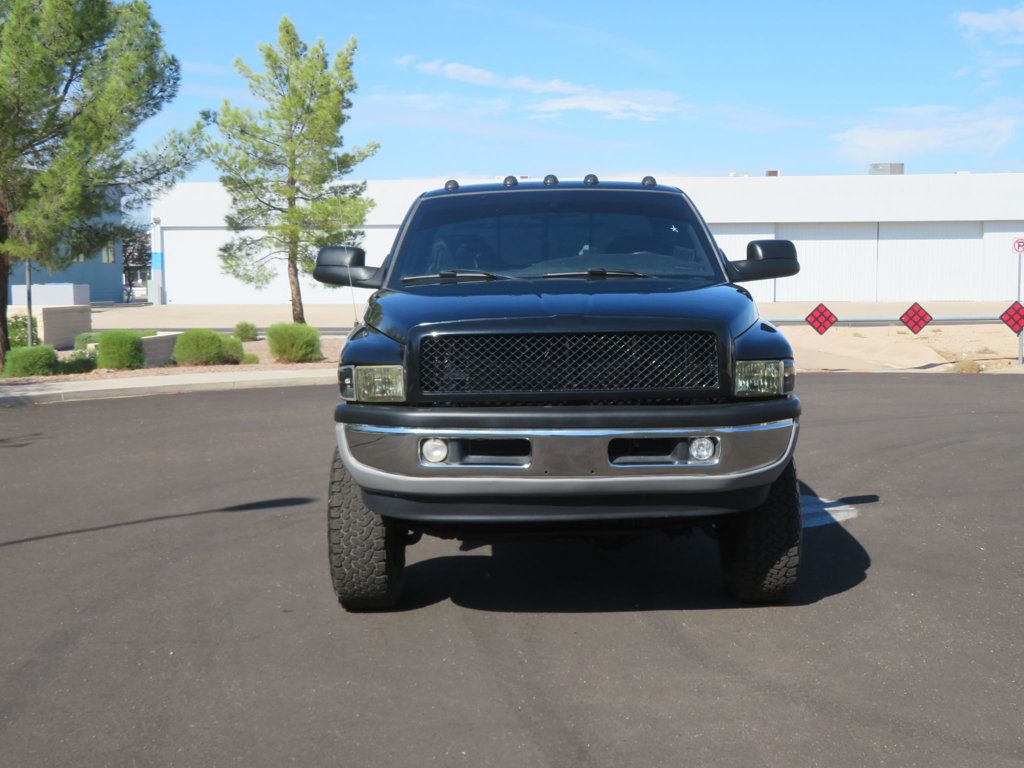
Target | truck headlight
(372,383)
(764,378)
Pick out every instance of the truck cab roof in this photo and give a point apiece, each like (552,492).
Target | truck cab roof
(533,186)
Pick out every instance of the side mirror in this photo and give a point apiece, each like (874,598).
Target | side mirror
(765,260)
(345,265)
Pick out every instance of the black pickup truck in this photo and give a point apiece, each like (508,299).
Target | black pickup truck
(562,359)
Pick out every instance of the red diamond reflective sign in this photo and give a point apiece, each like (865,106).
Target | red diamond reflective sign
(821,319)
(916,318)
(1014,317)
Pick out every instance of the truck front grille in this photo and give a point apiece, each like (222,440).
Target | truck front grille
(516,363)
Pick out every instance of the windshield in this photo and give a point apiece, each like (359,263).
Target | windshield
(556,234)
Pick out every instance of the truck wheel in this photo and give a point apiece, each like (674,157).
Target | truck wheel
(367,554)
(760,548)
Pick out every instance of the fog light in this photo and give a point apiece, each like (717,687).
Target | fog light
(434,450)
(702,448)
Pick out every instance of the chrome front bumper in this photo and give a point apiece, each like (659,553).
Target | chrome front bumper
(564,462)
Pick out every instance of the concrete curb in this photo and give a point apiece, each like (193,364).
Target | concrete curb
(24,394)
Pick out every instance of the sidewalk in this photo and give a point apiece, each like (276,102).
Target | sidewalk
(68,391)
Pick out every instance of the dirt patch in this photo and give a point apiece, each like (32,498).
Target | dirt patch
(892,348)
(968,366)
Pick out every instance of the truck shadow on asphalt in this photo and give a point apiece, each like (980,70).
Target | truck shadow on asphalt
(655,572)
(21,441)
(252,506)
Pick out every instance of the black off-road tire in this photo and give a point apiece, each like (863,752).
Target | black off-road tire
(367,554)
(760,548)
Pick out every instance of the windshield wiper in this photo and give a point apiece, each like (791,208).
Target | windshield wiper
(597,272)
(454,274)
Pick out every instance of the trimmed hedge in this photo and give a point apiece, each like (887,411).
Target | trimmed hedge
(83,340)
(294,343)
(79,361)
(120,350)
(231,350)
(199,346)
(245,331)
(17,330)
(40,360)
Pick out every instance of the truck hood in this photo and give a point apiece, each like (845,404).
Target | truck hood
(726,307)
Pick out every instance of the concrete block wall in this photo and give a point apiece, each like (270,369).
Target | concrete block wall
(158,349)
(57,326)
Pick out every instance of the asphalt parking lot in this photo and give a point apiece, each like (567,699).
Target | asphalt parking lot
(164,601)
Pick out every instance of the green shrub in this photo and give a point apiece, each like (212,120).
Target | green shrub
(121,350)
(17,330)
(245,331)
(294,343)
(83,340)
(199,346)
(40,360)
(231,350)
(79,361)
(250,358)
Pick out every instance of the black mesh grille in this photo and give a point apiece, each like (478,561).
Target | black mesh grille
(569,362)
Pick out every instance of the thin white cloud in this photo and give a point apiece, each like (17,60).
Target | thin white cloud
(995,38)
(566,96)
(467,73)
(751,118)
(1008,62)
(405,61)
(617,105)
(1004,26)
(895,134)
(477,118)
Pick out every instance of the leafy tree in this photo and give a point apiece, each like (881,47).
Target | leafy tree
(77,77)
(283,164)
(137,252)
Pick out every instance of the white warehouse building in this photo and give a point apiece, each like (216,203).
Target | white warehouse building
(944,237)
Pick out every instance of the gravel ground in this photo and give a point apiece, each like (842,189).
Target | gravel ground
(330,347)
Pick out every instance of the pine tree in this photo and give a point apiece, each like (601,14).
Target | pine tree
(283,164)
(77,77)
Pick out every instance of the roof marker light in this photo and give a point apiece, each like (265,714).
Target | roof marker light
(550,180)
(590,179)
(451,185)
(510,181)
(649,181)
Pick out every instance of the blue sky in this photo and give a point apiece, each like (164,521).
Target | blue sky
(454,88)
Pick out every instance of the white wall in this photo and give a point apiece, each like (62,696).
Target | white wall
(939,260)
(859,238)
(837,262)
(1000,260)
(733,239)
(192,274)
